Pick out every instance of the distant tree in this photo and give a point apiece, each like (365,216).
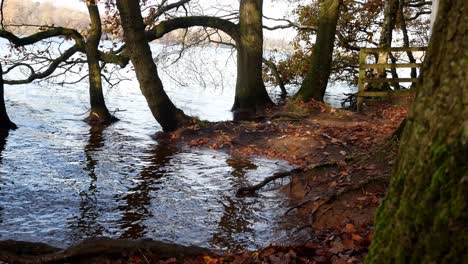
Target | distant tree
(316,80)
(424,214)
(358,26)
(52,66)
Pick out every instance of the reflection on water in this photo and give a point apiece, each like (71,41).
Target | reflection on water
(3,141)
(61,182)
(86,224)
(237,212)
(137,200)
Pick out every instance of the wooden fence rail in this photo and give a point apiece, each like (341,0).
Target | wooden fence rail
(363,66)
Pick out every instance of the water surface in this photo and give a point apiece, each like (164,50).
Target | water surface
(62,181)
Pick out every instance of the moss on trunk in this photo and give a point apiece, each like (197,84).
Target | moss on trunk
(316,80)
(251,93)
(423,217)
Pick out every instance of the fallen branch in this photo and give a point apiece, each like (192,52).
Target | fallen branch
(88,250)
(251,189)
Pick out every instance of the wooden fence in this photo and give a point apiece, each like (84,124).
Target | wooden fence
(363,66)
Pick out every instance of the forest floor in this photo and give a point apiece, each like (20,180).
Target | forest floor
(343,161)
(343,165)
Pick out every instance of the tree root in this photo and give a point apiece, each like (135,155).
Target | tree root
(39,253)
(251,189)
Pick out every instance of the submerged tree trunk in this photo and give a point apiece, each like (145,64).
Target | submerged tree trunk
(5,122)
(251,93)
(423,217)
(99,113)
(164,111)
(316,80)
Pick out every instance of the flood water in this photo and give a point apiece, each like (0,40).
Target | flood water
(62,181)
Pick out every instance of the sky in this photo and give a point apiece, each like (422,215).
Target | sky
(272,8)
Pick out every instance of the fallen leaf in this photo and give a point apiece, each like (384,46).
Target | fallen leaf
(356,237)
(349,228)
(343,153)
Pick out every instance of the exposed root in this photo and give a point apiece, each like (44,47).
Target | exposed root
(39,253)
(251,189)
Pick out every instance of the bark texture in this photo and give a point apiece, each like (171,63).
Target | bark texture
(251,93)
(316,80)
(423,217)
(5,122)
(164,111)
(99,113)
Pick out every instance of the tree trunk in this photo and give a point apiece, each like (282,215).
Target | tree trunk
(99,113)
(406,41)
(251,93)
(274,70)
(316,80)
(423,217)
(164,111)
(5,122)
(386,35)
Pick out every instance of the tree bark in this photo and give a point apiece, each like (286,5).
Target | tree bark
(99,113)
(276,74)
(423,217)
(164,111)
(5,122)
(251,93)
(386,36)
(316,81)
(406,41)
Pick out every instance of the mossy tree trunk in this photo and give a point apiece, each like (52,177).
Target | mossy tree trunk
(5,122)
(316,81)
(251,93)
(424,215)
(99,113)
(164,111)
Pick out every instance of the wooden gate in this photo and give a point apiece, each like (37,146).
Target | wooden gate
(365,80)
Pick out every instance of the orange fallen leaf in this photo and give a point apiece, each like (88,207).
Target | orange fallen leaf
(356,237)
(349,228)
